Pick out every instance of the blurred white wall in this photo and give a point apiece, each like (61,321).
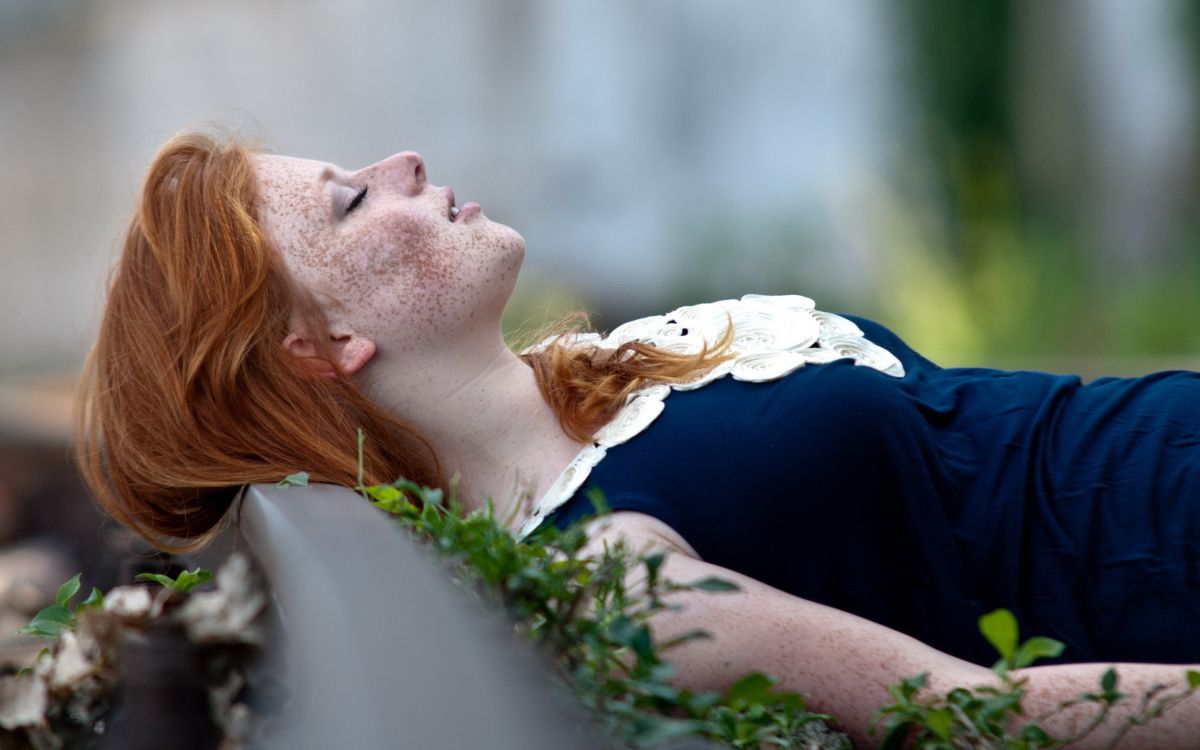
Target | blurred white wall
(616,136)
(632,143)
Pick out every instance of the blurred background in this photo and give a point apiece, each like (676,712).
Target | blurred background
(1014,184)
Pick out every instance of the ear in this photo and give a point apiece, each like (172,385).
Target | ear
(351,352)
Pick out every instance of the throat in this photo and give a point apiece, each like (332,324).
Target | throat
(515,480)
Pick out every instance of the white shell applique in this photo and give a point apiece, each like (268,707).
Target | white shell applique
(772,336)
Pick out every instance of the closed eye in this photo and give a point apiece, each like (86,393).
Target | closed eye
(358,199)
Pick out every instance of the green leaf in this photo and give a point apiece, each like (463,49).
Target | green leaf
(659,729)
(1037,648)
(1035,735)
(299,479)
(384,493)
(643,644)
(653,563)
(896,736)
(908,687)
(389,498)
(67,590)
(95,600)
(1000,628)
(753,688)
(712,583)
(54,613)
(186,581)
(599,506)
(940,720)
(50,622)
(1108,682)
(1193,678)
(190,579)
(165,581)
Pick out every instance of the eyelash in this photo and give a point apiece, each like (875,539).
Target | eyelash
(358,199)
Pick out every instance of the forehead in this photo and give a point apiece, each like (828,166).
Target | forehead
(292,187)
(291,174)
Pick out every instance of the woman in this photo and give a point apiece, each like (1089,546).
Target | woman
(265,308)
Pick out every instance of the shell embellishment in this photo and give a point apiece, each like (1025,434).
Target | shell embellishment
(567,484)
(773,335)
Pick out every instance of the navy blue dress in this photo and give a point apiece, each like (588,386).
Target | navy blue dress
(926,501)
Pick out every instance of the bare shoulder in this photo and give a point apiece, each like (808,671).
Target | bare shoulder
(640,532)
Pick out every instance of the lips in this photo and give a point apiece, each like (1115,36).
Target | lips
(456,214)
(468,210)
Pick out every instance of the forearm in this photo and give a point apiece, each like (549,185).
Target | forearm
(1178,726)
(842,663)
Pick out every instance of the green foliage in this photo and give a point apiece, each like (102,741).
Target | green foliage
(582,612)
(299,479)
(982,717)
(1000,629)
(60,616)
(185,582)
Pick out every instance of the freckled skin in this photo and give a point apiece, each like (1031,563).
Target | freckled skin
(395,269)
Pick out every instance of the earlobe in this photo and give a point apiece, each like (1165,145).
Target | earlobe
(353,352)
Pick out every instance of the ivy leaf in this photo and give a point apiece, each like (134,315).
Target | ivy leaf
(940,720)
(653,563)
(1000,629)
(753,688)
(1108,682)
(189,580)
(162,580)
(896,736)
(95,600)
(1037,648)
(185,582)
(299,479)
(389,498)
(904,690)
(50,622)
(1032,733)
(67,590)
(653,729)
(712,583)
(1193,678)
(384,493)
(642,644)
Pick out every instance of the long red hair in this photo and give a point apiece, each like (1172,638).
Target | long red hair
(188,393)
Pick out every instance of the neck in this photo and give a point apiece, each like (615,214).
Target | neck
(488,422)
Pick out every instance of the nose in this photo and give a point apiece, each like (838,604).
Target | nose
(407,168)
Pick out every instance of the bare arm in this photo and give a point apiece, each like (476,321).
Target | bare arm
(844,663)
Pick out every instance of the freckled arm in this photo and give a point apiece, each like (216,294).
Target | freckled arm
(844,663)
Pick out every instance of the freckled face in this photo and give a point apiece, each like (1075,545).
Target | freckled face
(379,246)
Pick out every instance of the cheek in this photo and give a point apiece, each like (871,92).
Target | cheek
(419,253)
(402,248)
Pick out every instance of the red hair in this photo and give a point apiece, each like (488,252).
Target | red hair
(188,393)
(587,385)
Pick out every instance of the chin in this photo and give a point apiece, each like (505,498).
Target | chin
(512,240)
